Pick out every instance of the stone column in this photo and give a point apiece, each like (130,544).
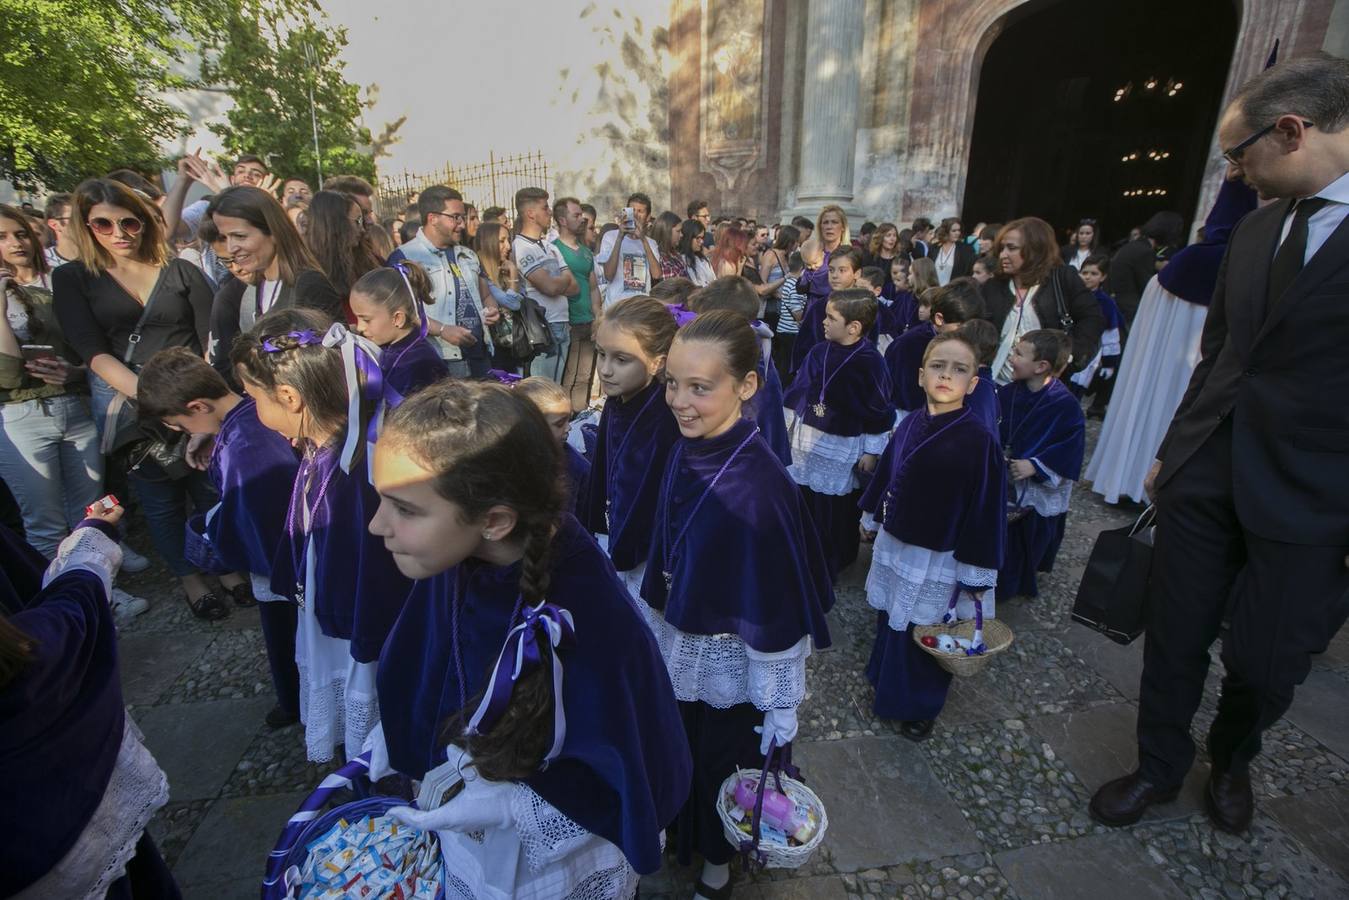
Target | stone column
(833,55)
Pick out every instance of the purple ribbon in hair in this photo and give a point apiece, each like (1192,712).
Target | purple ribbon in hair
(507,378)
(682,314)
(360,362)
(307,338)
(522,654)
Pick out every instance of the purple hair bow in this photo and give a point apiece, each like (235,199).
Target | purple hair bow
(521,654)
(306,338)
(682,314)
(507,378)
(360,362)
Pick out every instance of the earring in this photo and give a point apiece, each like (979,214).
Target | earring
(487,535)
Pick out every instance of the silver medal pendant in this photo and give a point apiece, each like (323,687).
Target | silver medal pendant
(299,595)
(818,409)
(669,580)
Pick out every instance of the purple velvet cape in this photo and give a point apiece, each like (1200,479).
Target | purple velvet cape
(1109,310)
(903,359)
(1047,426)
(253,468)
(624,770)
(61,718)
(946,494)
(900,315)
(1193,272)
(750,561)
(578,475)
(634,478)
(411,363)
(984,400)
(811,331)
(765,408)
(857,399)
(358,590)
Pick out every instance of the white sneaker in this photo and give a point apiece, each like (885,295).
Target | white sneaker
(126,606)
(133,562)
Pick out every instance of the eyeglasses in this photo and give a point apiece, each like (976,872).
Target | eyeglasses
(359,221)
(458,217)
(129,224)
(1233,154)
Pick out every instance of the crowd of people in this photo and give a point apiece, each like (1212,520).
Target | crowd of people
(449,455)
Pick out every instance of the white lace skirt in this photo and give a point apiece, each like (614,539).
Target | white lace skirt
(338,701)
(137,788)
(546,856)
(821,461)
(913,584)
(631,578)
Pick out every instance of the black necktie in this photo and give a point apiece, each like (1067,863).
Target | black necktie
(1288,260)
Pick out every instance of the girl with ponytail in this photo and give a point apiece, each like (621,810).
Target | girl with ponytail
(551,783)
(389,306)
(320,386)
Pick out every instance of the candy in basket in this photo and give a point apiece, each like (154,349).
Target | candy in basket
(772,817)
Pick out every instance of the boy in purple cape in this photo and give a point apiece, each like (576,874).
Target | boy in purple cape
(1098,377)
(936,510)
(553,401)
(1044,437)
(253,469)
(956,303)
(839,416)
(983,337)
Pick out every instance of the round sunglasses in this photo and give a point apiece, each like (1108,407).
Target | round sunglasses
(130,225)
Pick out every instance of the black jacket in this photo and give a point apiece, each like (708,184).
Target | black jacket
(311,290)
(1131,268)
(962,264)
(1281,377)
(1080,304)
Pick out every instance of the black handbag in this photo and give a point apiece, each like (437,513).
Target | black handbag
(160,456)
(535,322)
(1113,595)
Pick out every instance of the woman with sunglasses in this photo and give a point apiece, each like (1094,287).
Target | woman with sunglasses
(1083,244)
(121,302)
(275,268)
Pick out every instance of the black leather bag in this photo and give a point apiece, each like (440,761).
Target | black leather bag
(535,326)
(1113,595)
(160,457)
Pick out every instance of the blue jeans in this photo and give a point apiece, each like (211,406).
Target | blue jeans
(49,458)
(552,364)
(165,506)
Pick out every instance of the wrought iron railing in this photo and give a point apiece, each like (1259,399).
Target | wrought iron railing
(491,183)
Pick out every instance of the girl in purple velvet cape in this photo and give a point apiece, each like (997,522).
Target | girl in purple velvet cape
(839,415)
(737,588)
(348,590)
(79,786)
(636,432)
(555,405)
(937,509)
(571,765)
(389,306)
(1044,438)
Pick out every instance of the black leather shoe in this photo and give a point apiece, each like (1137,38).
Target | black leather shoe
(917,730)
(1124,800)
(1229,802)
(280,718)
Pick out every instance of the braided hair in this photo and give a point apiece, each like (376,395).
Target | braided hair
(491,447)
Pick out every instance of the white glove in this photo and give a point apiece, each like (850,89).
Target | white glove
(88,549)
(777,723)
(481,806)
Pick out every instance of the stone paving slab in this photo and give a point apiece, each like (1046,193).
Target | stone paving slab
(1119,664)
(1320,821)
(1100,866)
(874,786)
(1321,709)
(151,664)
(199,744)
(228,852)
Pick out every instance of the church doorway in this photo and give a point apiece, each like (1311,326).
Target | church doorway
(1098,110)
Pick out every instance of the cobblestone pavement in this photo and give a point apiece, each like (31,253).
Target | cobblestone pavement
(993,805)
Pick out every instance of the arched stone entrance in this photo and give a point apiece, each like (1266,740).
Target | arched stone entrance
(952,41)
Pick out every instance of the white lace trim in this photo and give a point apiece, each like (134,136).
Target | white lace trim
(88,549)
(824,462)
(1048,498)
(544,857)
(913,584)
(722,671)
(137,788)
(262,589)
(340,709)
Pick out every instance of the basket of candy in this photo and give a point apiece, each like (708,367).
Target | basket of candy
(963,647)
(352,850)
(771,816)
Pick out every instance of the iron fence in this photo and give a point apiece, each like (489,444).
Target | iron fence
(491,183)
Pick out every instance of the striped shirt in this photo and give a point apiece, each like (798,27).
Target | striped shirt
(792,302)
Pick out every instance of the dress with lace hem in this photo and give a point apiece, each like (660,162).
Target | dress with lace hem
(825,462)
(913,584)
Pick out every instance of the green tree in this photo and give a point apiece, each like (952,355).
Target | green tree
(269,62)
(82,85)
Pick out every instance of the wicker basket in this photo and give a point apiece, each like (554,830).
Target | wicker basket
(997,638)
(759,853)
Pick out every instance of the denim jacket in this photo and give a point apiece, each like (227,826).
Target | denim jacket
(443,300)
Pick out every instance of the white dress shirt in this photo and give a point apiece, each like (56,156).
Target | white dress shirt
(1325,220)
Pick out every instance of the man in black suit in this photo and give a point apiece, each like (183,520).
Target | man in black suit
(1252,480)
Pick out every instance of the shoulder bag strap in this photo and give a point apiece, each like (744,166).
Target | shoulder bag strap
(1065,319)
(133,340)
